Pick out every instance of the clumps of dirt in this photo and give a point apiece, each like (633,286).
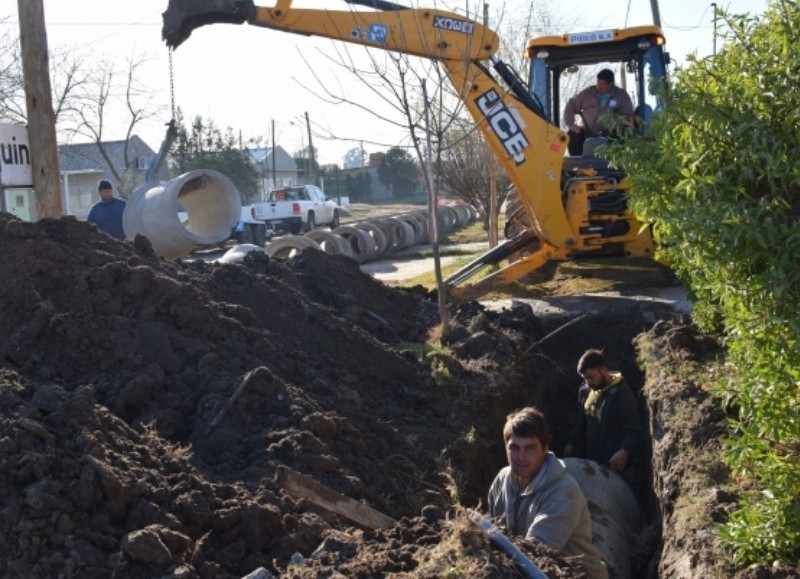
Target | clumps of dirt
(692,484)
(147,406)
(425,547)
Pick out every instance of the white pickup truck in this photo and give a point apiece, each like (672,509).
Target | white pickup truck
(291,209)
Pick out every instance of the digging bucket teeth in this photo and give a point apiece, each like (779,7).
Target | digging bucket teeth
(182,17)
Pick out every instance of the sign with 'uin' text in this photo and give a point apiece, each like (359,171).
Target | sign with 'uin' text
(15,157)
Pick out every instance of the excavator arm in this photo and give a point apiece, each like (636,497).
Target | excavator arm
(427,33)
(529,146)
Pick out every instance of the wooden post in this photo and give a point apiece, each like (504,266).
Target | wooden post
(312,171)
(39,102)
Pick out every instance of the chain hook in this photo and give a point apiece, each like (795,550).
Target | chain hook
(171,83)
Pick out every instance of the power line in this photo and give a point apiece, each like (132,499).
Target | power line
(697,26)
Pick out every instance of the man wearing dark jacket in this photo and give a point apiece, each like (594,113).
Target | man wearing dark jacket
(106,214)
(608,427)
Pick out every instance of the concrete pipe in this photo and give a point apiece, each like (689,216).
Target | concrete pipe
(211,203)
(616,516)
(331,243)
(290,246)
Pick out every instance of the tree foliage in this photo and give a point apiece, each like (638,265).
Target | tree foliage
(399,170)
(204,146)
(718,176)
(354,158)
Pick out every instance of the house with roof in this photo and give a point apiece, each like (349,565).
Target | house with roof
(276,168)
(82,165)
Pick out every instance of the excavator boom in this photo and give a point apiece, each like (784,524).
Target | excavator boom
(428,33)
(516,125)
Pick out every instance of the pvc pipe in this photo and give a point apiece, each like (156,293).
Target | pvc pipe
(526,566)
(209,199)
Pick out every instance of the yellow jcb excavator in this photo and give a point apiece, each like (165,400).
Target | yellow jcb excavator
(575,206)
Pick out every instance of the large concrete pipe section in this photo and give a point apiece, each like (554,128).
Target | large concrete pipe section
(210,200)
(616,516)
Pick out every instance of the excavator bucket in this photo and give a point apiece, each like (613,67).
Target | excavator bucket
(182,17)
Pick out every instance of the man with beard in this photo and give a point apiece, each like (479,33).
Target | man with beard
(607,430)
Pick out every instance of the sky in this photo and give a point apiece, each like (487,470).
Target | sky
(252,79)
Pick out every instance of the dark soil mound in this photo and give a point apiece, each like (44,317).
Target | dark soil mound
(147,405)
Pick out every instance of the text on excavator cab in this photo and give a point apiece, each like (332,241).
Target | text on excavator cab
(590,37)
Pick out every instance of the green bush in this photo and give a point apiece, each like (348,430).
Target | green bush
(718,174)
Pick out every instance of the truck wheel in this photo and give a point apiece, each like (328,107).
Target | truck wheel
(245,235)
(335,220)
(260,235)
(310,223)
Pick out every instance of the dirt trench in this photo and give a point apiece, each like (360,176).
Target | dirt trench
(147,405)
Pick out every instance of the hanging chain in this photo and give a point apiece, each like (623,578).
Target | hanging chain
(171,83)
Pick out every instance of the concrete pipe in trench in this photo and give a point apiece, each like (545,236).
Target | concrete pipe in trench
(211,203)
(616,516)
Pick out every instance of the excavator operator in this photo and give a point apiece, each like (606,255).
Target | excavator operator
(595,104)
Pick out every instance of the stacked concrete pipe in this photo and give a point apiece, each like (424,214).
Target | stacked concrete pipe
(209,199)
(370,239)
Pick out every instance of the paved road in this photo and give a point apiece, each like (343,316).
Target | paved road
(655,301)
(407,265)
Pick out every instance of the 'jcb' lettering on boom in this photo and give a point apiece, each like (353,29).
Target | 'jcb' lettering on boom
(505,123)
(453,24)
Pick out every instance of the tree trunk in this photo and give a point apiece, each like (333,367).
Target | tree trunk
(39,102)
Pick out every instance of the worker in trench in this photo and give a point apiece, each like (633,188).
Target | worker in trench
(536,498)
(607,430)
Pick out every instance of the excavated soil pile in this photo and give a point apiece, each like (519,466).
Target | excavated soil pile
(147,405)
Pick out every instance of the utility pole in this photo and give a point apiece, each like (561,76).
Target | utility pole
(656,14)
(39,106)
(311,170)
(494,237)
(274,165)
(714,6)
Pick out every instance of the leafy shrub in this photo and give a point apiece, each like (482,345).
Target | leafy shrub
(718,174)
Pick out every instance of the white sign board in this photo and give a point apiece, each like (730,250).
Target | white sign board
(15,157)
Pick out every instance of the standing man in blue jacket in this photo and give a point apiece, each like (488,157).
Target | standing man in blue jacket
(534,497)
(608,429)
(106,214)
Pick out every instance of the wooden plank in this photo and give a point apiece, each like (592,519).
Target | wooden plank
(302,486)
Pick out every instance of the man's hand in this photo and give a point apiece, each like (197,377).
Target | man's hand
(619,460)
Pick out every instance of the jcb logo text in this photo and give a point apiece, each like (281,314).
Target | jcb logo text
(506,123)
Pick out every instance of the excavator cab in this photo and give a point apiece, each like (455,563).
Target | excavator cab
(635,54)
(593,195)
